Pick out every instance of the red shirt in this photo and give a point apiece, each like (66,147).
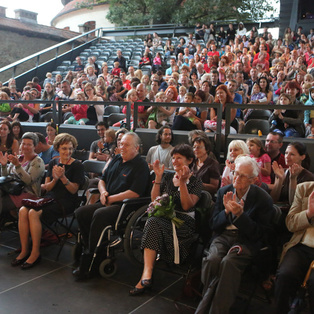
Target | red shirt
(213,53)
(207,68)
(265,64)
(127,84)
(116,71)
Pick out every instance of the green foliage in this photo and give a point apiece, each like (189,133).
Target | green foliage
(185,12)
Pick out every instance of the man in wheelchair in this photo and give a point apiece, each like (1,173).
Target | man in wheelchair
(298,253)
(127,176)
(241,220)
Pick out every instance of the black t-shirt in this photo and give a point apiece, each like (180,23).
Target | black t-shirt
(130,175)
(75,173)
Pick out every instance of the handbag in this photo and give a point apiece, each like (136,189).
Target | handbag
(36,203)
(11,185)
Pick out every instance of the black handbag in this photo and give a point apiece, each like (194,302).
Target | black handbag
(11,185)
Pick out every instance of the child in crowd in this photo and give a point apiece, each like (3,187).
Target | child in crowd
(172,82)
(145,60)
(109,138)
(309,114)
(312,133)
(48,79)
(158,116)
(116,70)
(187,111)
(111,90)
(257,152)
(235,148)
(286,122)
(5,108)
(305,93)
(256,97)
(221,70)
(131,97)
(308,78)
(182,92)
(90,71)
(157,62)
(79,111)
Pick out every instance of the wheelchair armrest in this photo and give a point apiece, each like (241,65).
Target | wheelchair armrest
(94,191)
(138,200)
(132,201)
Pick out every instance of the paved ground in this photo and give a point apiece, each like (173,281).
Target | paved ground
(50,288)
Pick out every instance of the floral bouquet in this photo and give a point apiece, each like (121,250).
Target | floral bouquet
(163,206)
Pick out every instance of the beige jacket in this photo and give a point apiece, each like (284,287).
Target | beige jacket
(297,221)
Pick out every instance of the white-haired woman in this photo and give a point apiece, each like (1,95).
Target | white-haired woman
(235,148)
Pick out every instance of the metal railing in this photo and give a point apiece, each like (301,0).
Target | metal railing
(57,113)
(77,44)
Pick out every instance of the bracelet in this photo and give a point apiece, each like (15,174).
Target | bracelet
(154,182)
(67,183)
(18,166)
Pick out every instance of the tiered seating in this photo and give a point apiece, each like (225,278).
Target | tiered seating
(105,51)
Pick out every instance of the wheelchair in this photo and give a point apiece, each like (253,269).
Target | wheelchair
(128,230)
(111,238)
(134,233)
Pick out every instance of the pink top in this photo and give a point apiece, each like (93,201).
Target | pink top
(157,61)
(28,111)
(262,160)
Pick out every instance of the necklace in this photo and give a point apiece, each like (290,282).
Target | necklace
(66,162)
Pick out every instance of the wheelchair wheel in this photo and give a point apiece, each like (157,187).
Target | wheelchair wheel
(133,236)
(107,268)
(77,252)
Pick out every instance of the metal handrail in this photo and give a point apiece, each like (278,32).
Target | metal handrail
(57,46)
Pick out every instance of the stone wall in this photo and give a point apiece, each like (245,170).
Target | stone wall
(15,46)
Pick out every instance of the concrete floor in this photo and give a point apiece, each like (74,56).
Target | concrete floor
(50,287)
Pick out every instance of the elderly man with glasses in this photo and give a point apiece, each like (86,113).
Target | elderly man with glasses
(241,221)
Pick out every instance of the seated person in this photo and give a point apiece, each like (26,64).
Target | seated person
(27,167)
(298,253)
(125,177)
(287,122)
(65,176)
(189,113)
(204,167)
(241,221)
(162,151)
(161,115)
(95,150)
(45,151)
(109,138)
(235,148)
(158,236)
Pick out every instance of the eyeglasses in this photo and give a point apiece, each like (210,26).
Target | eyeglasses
(242,176)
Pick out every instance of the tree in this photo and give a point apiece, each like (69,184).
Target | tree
(185,12)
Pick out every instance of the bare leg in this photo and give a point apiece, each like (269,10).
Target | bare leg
(36,230)
(149,261)
(24,232)
(198,124)
(152,124)
(15,116)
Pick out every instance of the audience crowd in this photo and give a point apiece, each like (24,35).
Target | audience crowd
(202,68)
